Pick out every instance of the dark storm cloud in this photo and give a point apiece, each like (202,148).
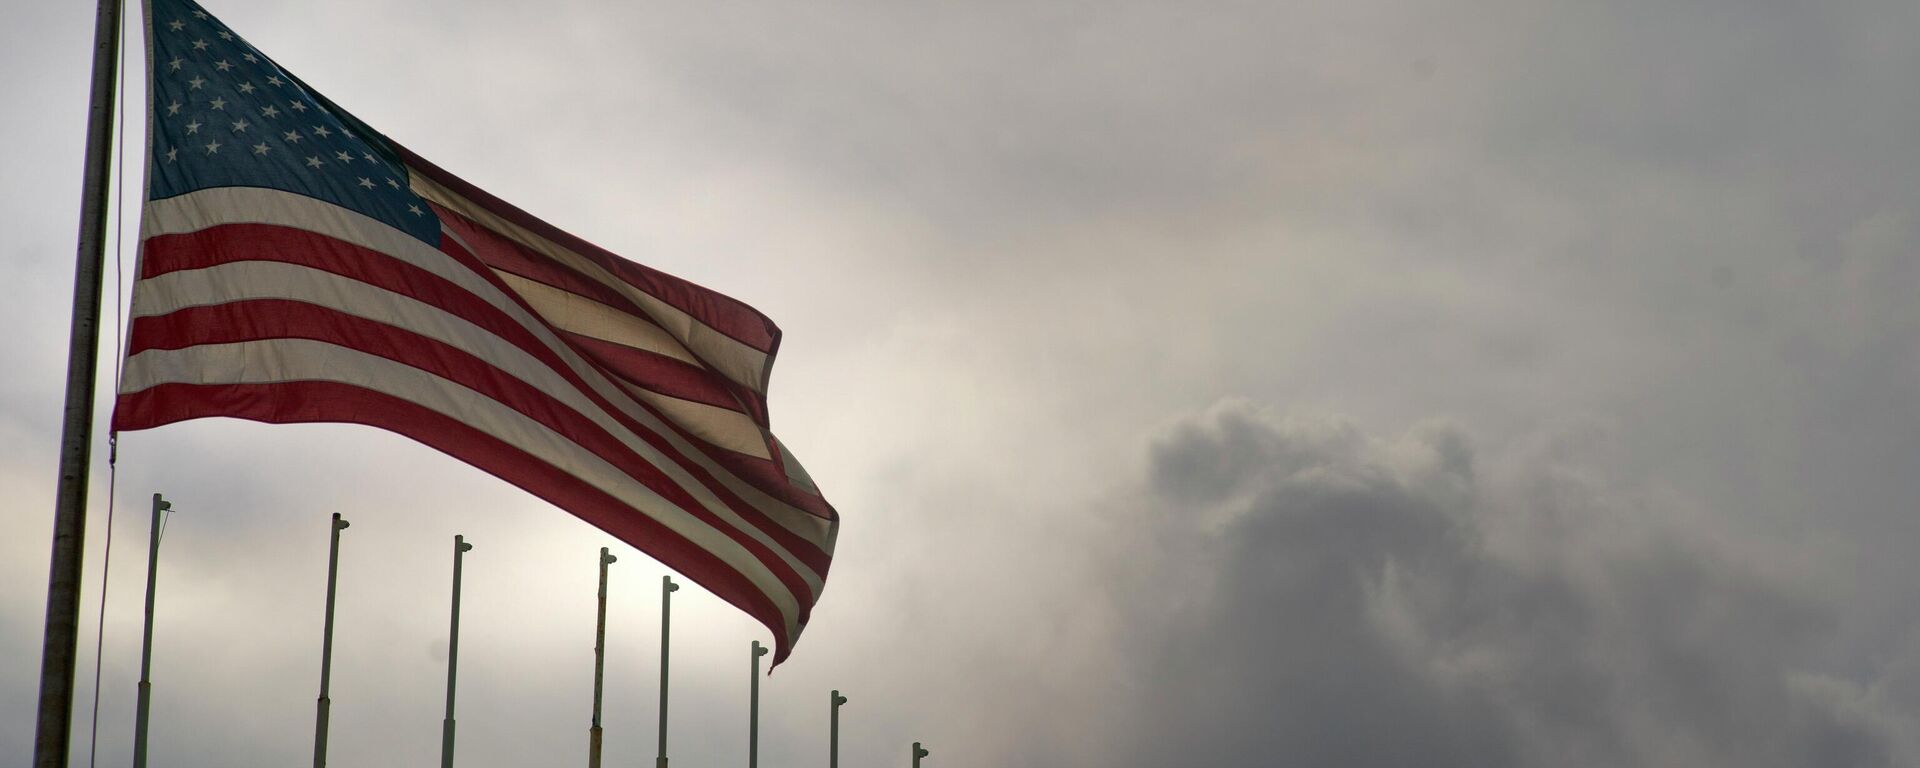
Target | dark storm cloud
(1339,599)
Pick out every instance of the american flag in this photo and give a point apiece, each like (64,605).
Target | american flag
(297,266)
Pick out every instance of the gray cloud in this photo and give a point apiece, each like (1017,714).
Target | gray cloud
(1325,597)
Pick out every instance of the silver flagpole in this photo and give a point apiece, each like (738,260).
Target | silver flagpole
(753,709)
(918,752)
(146,638)
(460,548)
(599,662)
(667,588)
(326,647)
(833,729)
(58,648)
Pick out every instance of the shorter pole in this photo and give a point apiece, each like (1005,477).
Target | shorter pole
(667,588)
(599,661)
(753,708)
(918,752)
(326,647)
(833,729)
(460,548)
(145,704)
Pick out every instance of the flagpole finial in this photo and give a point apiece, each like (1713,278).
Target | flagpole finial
(607,557)
(460,543)
(339,523)
(668,581)
(758,649)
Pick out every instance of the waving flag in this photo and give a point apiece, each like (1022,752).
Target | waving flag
(297,266)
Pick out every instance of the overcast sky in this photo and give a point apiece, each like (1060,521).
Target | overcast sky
(1373,383)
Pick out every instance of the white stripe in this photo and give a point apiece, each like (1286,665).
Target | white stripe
(212,207)
(729,356)
(574,313)
(287,360)
(253,280)
(726,429)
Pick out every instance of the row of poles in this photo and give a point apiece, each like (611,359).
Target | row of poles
(460,548)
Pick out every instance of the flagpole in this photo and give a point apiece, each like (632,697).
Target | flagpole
(599,661)
(326,647)
(918,752)
(460,548)
(58,646)
(833,729)
(146,638)
(753,708)
(667,588)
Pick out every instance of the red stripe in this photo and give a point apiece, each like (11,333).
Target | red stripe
(493,249)
(779,486)
(262,242)
(723,313)
(281,319)
(320,401)
(656,372)
(231,243)
(498,252)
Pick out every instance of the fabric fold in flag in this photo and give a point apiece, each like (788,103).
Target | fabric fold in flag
(298,266)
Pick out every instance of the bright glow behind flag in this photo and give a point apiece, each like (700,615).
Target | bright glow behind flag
(297,266)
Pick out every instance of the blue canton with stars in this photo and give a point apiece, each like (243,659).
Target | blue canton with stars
(225,115)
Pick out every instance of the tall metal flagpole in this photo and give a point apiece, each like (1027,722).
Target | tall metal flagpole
(460,548)
(599,662)
(667,588)
(326,647)
(146,638)
(833,729)
(58,647)
(753,709)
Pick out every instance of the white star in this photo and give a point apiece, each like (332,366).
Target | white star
(213,146)
(274,80)
(314,162)
(343,157)
(298,106)
(193,127)
(269,111)
(392,183)
(260,148)
(321,131)
(225,35)
(366,182)
(173,154)
(176,25)
(293,136)
(219,104)
(199,45)
(222,65)
(174,66)
(241,126)
(196,82)
(251,59)
(174,108)
(368,156)
(199,14)
(415,210)
(246,87)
